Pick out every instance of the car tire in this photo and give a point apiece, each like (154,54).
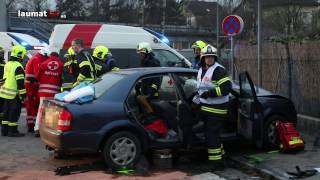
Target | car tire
(122,149)
(270,135)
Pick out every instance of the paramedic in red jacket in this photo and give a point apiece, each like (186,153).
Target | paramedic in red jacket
(50,79)
(31,85)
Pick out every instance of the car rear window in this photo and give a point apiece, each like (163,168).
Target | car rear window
(105,82)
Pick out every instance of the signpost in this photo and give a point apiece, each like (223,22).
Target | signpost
(231,26)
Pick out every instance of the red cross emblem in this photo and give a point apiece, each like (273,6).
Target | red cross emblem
(53,65)
(170,82)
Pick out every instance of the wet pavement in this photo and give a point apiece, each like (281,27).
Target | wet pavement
(27,158)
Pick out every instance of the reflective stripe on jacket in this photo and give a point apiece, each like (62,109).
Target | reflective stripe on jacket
(9,89)
(50,77)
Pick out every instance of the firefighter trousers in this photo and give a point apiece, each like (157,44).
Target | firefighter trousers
(31,104)
(214,124)
(11,113)
(4,125)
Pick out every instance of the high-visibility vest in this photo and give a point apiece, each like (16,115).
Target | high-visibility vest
(206,84)
(9,89)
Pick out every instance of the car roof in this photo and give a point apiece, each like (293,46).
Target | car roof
(155,70)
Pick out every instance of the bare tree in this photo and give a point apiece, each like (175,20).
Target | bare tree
(30,5)
(74,10)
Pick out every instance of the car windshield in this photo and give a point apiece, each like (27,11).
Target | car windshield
(105,82)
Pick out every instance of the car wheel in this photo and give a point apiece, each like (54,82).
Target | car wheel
(270,135)
(122,149)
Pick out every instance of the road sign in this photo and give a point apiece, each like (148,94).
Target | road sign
(232,25)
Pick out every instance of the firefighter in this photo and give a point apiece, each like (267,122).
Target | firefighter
(197,46)
(50,78)
(103,60)
(213,85)
(69,74)
(149,87)
(2,64)
(13,92)
(86,67)
(31,85)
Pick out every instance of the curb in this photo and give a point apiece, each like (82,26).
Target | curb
(250,167)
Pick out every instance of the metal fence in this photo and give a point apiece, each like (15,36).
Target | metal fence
(305,68)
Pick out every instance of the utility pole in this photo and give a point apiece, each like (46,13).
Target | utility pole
(218,27)
(141,9)
(3,16)
(259,43)
(163,22)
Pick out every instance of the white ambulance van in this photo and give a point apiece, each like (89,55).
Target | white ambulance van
(9,39)
(121,40)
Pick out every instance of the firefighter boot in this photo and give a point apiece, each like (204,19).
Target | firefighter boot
(13,132)
(4,130)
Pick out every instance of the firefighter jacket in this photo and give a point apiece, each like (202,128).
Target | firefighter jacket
(49,76)
(196,63)
(150,86)
(69,74)
(215,82)
(2,64)
(32,68)
(103,67)
(13,80)
(86,68)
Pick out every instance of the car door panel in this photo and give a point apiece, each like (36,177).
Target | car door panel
(250,125)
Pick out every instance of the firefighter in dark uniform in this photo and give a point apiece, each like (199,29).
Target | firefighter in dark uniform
(149,87)
(13,92)
(69,74)
(103,60)
(2,64)
(197,46)
(213,85)
(85,64)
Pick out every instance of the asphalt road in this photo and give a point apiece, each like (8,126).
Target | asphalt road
(27,158)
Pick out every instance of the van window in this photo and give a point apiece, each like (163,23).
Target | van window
(168,59)
(128,58)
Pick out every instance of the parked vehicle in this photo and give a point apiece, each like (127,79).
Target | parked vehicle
(121,40)
(188,53)
(9,39)
(113,123)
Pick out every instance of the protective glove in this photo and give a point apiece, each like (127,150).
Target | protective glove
(205,95)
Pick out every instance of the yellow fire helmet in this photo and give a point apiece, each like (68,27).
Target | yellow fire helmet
(71,52)
(198,44)
(100,52)
(18,51)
